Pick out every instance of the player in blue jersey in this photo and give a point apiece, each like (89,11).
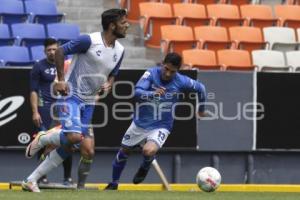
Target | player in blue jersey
(96,61)
(157,93)
(42,76)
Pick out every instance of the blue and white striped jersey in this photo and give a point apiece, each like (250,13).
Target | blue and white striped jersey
(93,62)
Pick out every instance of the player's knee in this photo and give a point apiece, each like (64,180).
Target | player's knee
(149,151)
(88,153)
(74,138)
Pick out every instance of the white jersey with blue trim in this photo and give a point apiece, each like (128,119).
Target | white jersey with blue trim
(91,65)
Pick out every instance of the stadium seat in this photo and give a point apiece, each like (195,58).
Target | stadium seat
(28,34)
(292,60)
(191,14)
(153,16)
(248,38)
(43,12)
(63,32)
(200,59)
(5,37)
(37,52)
(212,37)
(176,38)
(12,11)
(289,15)
(132,7)
(14,56)
(224,15)
(232,59)
(267,60)
(258,15)
(281,38)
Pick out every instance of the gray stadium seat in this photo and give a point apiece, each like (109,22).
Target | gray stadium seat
(268,60)
(281,38)
(293,60)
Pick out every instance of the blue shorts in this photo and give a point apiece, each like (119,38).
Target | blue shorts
(75,115)
(46,115)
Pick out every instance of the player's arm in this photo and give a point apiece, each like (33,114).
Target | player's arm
(34,98)
(79,45)
(199,88)
(142,88)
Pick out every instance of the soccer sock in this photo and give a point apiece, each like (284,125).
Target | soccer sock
(118,165)
(56,138)
(67,167)
(52,160)
(147,162)
(83,171)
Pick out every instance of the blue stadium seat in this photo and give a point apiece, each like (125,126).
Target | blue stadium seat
(37,52)
(29,34)
(12,11)
(14,56)
(63,32)
(5,37)
(43,12)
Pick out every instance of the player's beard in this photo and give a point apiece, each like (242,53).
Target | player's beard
(118,34)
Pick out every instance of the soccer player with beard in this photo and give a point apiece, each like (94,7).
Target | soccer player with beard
(96,61)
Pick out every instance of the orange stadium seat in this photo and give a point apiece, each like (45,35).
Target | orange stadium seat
(132,7)
(248,38)
(200,59)
(191,14)
(258,15)
(176,38)
(289,15)
(153,16)
(232,59)
(212,37)
(224,15)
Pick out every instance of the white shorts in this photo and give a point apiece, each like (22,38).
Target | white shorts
(138,136)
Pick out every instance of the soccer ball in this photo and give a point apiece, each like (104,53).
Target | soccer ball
(208,179)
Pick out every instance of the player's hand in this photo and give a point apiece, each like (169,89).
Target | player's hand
(37,120)
(61,87)
(106,87)
(160,91)
(203,114)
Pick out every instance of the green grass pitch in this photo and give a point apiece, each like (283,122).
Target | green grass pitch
(142,195)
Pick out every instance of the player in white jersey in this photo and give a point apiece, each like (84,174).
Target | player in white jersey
(96,61)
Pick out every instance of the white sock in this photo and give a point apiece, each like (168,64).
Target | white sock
(52,161)
(53,138)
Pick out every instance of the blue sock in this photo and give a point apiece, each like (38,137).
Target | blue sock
(118,166)
(62,152)
(147,162)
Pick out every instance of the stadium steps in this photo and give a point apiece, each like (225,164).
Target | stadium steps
(87,14)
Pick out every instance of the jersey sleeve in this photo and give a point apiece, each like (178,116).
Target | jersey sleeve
(115,71)
(142,88)
(35,78)
(78,45)
(195,86)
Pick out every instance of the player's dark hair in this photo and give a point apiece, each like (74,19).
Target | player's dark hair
(111,16)
(174,59)
(50,41)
